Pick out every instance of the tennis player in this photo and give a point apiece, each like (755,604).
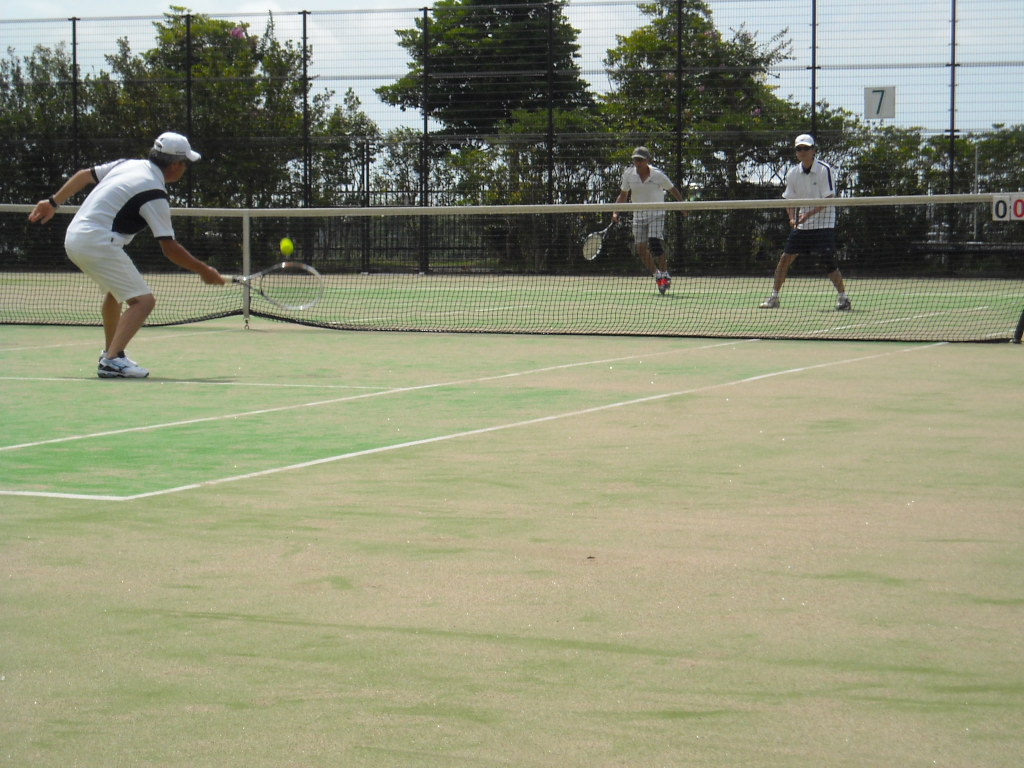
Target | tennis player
(812,230)
(129,196)
(643,183)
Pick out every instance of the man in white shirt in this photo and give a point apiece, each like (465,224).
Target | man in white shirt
(643,183)
(129,196)
(812,229)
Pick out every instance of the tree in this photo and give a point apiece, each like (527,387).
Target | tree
(472,64)
(679,70)
(36,109)
(886,160)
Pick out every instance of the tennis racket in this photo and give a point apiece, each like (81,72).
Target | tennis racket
(594,242)
(289,285)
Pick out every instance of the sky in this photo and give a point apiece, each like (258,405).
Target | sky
(62,9)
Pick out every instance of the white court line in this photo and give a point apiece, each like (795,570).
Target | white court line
(876,323)
(149,337)
(349,398)
(467,433)
(199,383)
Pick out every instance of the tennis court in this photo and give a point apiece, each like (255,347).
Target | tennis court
(298,547)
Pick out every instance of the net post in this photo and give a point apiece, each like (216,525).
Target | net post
(1019,332)
(246,253)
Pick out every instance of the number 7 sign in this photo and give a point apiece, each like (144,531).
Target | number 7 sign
(880,102)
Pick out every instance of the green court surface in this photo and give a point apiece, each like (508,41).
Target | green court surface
(303,547)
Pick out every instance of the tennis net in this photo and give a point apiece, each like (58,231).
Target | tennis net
(916,268)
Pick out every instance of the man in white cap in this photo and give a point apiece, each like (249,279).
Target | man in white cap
(812,229)
(643,183)
(129,196)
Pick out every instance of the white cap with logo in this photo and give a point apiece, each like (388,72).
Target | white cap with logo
(804,140)
(175,145)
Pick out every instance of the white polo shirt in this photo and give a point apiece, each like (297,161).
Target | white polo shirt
(129,196)
(651,191)
(818,182)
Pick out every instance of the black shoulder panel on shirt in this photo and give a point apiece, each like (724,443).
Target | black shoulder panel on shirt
(128,220)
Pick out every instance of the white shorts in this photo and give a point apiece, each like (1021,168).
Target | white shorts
(109,267)
(648,224)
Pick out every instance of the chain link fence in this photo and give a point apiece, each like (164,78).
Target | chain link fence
(531,103)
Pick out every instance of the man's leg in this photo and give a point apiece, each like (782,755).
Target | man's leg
(131,320)
(644,252)
(781,270)
(111,317)
(837,280)
(843,303)
(657,248)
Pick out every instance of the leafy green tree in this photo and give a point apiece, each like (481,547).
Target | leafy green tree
(36,114)
(343,150)
(472,63)
(884,161)
(241,86)
(678,70)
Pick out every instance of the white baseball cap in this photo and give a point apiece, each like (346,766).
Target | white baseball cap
(804,140)
(175,145)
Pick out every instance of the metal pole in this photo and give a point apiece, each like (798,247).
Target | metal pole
(550,159)
(246,266)
(424,255)
(75,147)
(678,170)
(307,154)
(814,68)
(188,98)
(952,98)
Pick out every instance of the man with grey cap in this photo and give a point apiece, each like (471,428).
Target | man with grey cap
(643,183)
(130,195)
(812,229)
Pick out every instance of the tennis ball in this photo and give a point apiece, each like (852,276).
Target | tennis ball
(287,246)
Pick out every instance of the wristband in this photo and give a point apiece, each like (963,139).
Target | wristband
(53,202)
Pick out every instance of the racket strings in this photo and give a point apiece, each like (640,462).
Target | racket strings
(291,286)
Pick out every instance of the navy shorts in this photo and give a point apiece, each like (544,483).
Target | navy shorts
(818,242)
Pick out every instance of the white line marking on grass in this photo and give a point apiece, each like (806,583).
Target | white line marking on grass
(149,337)
(876,323)
(348,398)
(480,431)
(200,383)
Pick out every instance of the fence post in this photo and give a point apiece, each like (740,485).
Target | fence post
(952,98)
(424,256)
(550,138)
(188,98)
(307,153)
(814,68)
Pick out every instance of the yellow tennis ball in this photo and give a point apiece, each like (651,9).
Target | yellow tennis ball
(287,246)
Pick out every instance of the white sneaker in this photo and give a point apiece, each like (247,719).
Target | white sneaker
(125,356)
(844,305)
(120,368)
(772,302)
